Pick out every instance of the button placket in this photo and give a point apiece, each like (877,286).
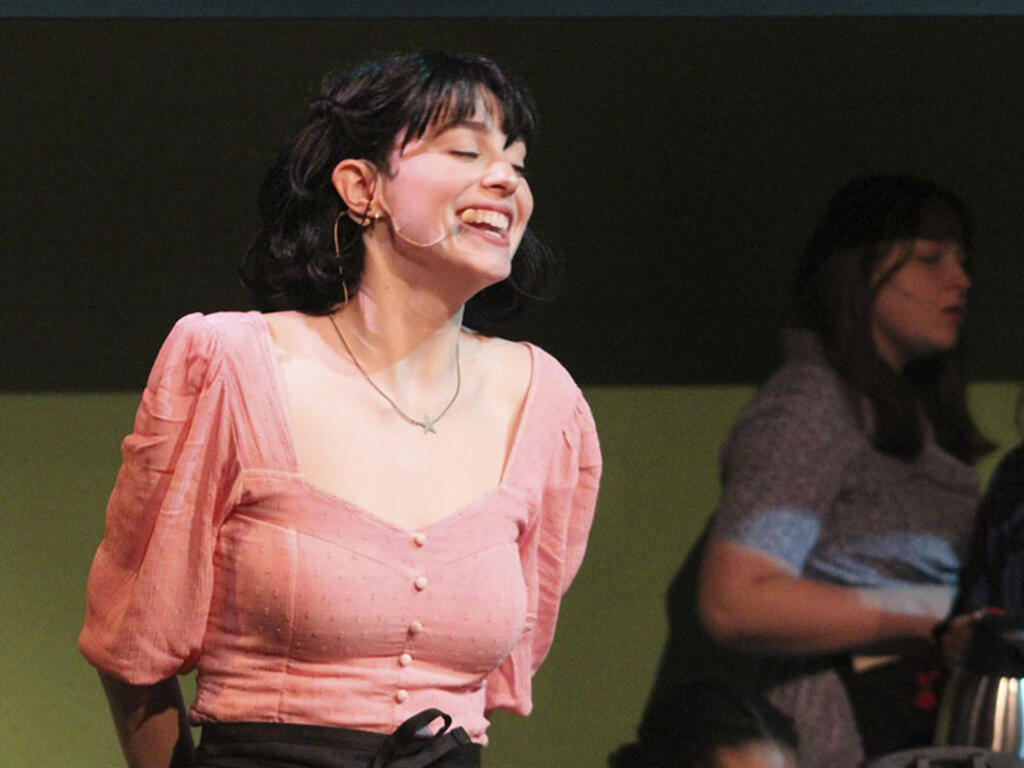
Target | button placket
(420,583)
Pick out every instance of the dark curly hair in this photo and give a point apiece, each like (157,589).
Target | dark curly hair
(292,263)
(835,289)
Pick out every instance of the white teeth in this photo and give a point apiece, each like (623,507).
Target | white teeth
(495,219)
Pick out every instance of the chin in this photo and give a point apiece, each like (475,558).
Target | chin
(494,269)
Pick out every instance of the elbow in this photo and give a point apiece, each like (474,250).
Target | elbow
(736,599)
(720,620)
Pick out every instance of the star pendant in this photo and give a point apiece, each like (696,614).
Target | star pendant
(428,425)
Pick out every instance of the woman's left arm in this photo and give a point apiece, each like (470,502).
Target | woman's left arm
(754,602)
(551,549)
(784,467)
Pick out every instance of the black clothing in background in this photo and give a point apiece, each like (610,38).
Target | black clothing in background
(994,575)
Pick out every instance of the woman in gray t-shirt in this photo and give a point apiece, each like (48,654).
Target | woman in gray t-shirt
(848,492)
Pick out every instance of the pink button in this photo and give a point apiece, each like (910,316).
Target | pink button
(419,539)
(415,628)
(420,583)
(405,659)
(401,695)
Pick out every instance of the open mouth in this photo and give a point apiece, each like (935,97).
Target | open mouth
(486,219)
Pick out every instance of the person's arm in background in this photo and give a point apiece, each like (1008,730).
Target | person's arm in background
(784,467)
(756,603)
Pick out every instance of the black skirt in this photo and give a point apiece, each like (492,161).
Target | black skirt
(287,745)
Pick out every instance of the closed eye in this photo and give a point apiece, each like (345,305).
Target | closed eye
(467,154)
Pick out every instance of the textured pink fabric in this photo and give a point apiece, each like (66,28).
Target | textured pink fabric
(297,606)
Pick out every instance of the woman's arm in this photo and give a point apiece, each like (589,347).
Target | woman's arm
(151,723)
(755,603)
(151,580)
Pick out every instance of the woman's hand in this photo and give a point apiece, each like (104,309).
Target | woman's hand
(954,635)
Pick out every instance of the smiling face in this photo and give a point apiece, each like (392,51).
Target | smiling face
(919,307)
(459,191)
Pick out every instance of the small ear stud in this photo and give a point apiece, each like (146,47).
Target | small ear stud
(366,219)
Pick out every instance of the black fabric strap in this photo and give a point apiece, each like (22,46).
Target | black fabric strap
(407,748)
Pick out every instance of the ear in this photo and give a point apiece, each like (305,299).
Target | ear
(355,182)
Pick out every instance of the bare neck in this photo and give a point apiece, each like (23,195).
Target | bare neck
(402,328)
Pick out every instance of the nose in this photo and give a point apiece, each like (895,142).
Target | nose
(958,276)
(502,176)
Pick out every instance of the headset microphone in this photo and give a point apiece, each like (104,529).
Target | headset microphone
(420,229)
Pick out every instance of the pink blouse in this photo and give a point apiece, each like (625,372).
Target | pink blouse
(298,606)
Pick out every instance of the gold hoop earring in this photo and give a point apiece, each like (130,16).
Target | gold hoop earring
(337,253)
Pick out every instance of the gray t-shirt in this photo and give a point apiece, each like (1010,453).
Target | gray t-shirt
(803,484)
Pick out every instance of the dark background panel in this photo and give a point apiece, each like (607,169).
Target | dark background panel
(682,161)
(498,8)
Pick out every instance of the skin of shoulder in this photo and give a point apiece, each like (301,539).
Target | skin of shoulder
(507,365)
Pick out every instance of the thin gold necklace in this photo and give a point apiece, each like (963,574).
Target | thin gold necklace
(426,422)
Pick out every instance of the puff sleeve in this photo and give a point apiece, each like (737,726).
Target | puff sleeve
(551,551)
(150,585)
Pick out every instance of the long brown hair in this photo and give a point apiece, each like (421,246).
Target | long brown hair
(835,289)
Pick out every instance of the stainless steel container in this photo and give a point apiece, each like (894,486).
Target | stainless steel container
(983,703)
(947,757)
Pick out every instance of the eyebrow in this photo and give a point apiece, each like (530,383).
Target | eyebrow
(474,125)
(478,126)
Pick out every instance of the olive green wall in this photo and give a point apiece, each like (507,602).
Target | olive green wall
(59,454)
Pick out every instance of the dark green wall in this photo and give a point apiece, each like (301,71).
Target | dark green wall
(681,163)
(59,454)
